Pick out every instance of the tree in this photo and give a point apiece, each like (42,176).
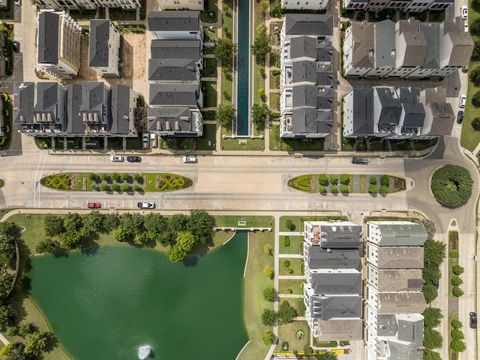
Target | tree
(267,249)
(476,98)
(226,115)
(457,334)
(15,352)
(201,224)
(475,27)
(383,190)
(104,187)
(115,187)
(268,337)
(126,188)
(429,292)
(372,189)
(268,272)
(47,246)
(385,180)
(177,223)
(5,316)
(435,252)
(224,51)
(155,225)
(185,242)
(307,349)
(290,224)
(345,179)
(94,221)
(110,222)
(125,177)
(260,112)
(432,317)
(458,345)
(323,179)
(431,274)
(53,225)
(261,94)
(456,281)
(431,355)
(457,292)
(116,177)
(432,339)
(269,294)
(476,51)
(476,124)
(475,75)
(123,234)
(71,240)
(37,343)
(373,180)
(286,312)
(333,179)
(269,317)
(73,222)
(261,45)
(456,324)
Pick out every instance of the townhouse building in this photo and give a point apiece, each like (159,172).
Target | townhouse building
(396,113)
(307,81)
(304,4)
(175,95)
(406,49)
(394,299)
(413,6)
(333,290)
(87,4)
(58,43)
(104,47)
(180,4)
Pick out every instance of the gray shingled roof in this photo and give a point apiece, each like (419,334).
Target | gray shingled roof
(340,330)
(399,280)
(176,49)
(341,236)
(431,31)
(402,234)
(74,101)
(24,102)
(308,24)
(326,283)
(401,302)
(122,121)
(174,21)
(48,37)
(400,257)
(307,120)
(172,70)
(390,108)
(328,307)
(362,111)
(173,94)
(460,44)
(98,43)
(308,46)
(170,119)
(319,258)
(413,111)
(385,44)
(363,44)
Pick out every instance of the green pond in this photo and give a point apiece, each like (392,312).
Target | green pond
(104,306)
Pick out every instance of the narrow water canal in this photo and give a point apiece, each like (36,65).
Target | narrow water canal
(243,31)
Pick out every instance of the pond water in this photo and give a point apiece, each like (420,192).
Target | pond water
(243,95)
(105,306)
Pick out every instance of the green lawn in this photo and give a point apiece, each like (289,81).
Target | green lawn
(227,86)
(209,90)
(209,139)
(289,286)
(295,247)
(299,220)
(298,304)
(209,67)
(251,221)
(210,15)
(274,101)
(291,145)
(290,333)
(241,143)
(255,283)
(295,266)
(274,80)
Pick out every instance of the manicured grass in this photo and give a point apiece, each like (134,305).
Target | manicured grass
(297,303)
(274,79)
(254,303)
(209,67)
(305,183)
(299,220)
(288,333)
(209,90)
(211,8)
(295,247)
(274,101)
(291,145)
(227,86)
(234,144)
(295,267)
(201,143)
(251,221)
(289,286)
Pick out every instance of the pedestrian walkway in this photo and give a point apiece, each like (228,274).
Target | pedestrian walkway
(290,256)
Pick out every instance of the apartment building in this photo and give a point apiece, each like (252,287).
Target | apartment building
(402,5)
(58,43)
(396,113)
(104,48)
(394,299)
(304,4)
(406,49)
(180,4)
(174,67)
(307,81)
(87,4)
(81,109)
(333,291)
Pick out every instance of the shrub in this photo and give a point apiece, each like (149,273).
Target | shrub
(456,281)
(383,190)
(476,99)
(290,271)
(458,345)
(125,177)
(457,292)
(116,177)
(475,27)
(138,178)
(372,189)
(475,75)
(105,177)
(269,294)
(286,263)
(457,269)
(323,179)
(322,190)
(286,241)
(286,312)
(93,177)
(452,186)
(432,339)
(138,188)
(333,179)
(126,188)
(269,317)
(333,189)
(345,179)
(385,180)
(268,272)
(308,350)
(431,355)
(457,334)
(115,187)
(104,187)
(432,317)
(267,249)
(429,292)
(456,324)
(344,189)
(275,72)
(373,180)
(290,225)
(476,124)
(268,337)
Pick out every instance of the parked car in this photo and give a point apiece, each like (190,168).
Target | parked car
(465,27)
(94,205)
(464,12)
(190,159)
(359,160)
(134,159)
(460,117)
(154,140)
(437,284)
(462,101)
(146,205)
(16,46)
(117,158)
(473,320)
(18,2)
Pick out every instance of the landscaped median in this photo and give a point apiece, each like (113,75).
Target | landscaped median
(348,183)
(452,186)
(117,182)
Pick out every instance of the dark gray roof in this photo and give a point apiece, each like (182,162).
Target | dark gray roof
(308,24)
(172,70)
(310,71)
(122,117)
(48,37)
(390,107)
(328,307)
(341,236)
(176,49)
(24,101)
(94,98)
(174,94)
(431,31)
(362,111)
(385,44)
(98,43)
(173,21)
(319,258)
(74,101)
(306,95)
(413,111)
(171,119)
(307,46)
(325,283)
(311,121)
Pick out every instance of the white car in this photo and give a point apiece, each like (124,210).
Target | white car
(190,159)
(117,158)
(146,205)
(462,101)
(464,12)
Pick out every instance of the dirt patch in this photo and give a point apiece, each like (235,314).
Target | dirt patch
(134,56)
(86,72)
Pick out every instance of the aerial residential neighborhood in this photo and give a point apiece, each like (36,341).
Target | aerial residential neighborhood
(239,179)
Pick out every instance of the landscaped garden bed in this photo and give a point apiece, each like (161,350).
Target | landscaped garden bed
(346,183)
(291,266)
(291,244)
(117,182)
(293,337)
(452,186)
(290,286)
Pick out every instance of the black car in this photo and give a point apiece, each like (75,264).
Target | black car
(134,159)
(16,46)
(460,117)
(359,160)
(473,320)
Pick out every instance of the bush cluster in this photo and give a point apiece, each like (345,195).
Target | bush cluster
(452,186)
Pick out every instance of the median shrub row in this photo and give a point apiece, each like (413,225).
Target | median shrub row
(455,269)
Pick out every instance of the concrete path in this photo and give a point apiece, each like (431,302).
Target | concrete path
(290,256)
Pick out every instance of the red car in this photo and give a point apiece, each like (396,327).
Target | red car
(94,205)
